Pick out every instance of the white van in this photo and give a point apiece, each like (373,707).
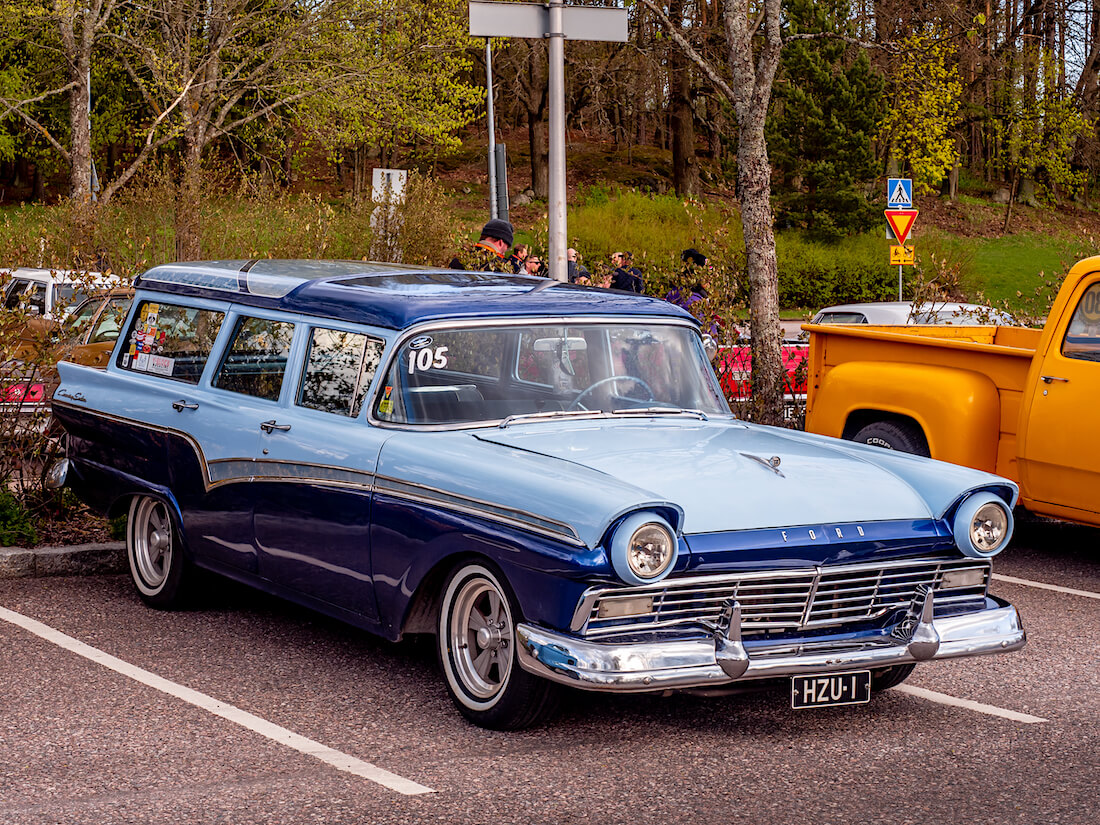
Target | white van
(52,293)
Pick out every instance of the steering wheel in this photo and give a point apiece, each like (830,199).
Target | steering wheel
(611,379)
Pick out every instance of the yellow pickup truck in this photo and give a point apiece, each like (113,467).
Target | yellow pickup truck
(1022,403)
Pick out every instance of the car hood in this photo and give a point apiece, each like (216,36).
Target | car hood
(730,476)
(576,478)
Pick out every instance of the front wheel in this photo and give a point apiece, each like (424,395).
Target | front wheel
(903,436)
(890,677)
(477,651)
(155,553)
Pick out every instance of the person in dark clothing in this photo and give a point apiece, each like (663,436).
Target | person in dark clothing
(487,254)
(518,257)
(626,276)
(691,288)
(575,272)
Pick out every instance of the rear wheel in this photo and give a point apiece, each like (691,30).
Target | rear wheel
(153,547)
(890,676)
(477,651)
(903,436)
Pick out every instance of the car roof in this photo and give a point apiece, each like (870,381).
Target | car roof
(57,275)
(875,310)
(392,295)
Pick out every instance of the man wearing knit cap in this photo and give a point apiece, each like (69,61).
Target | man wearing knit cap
(488,254)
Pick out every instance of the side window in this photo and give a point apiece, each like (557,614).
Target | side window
(1083,336)
(256,359)
(35,298)
(170,340)
(14,292)
(110,321)
(338,371)
(82,317)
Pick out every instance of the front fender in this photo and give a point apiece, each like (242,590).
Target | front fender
(958,410)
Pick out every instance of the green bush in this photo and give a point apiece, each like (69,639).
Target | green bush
(16,526)
(813,274)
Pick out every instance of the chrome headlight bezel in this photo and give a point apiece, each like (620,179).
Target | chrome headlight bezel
(625,556)
(983,525)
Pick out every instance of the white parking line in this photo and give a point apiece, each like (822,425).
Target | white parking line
(978,707)
(276,733)
(1088,594)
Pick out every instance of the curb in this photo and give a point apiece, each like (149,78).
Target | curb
(76,560)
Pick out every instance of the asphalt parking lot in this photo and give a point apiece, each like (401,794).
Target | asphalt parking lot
(250,710)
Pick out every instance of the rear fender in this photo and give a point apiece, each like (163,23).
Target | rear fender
(958,410)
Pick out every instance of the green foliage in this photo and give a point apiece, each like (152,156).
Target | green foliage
(826,106)
(16,525)
(814,274)
(924,107)
(1040,130)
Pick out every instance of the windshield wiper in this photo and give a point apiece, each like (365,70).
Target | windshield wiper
(702,416)
(639,411)
(545,416)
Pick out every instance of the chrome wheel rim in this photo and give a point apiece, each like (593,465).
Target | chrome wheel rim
(481,638)
(151,543)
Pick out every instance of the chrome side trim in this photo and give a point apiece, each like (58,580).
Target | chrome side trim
(694,663)
(422,494)
(228,470)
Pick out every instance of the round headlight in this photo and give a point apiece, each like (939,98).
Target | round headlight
(983,526)
(643,548)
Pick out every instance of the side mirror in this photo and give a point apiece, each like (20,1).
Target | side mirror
(710,347)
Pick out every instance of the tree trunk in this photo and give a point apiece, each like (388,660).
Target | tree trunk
(189,205)
(685,167)
(80,152)
(537,139)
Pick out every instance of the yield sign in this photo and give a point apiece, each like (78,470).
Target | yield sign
(901,222)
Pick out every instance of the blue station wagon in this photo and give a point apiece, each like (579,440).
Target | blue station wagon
(546,477)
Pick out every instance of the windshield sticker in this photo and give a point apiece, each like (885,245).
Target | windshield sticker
(420,342)
(427,359)
(385,406)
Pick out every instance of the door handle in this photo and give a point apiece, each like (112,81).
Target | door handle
(268,426)
(181,405)
(1047,379)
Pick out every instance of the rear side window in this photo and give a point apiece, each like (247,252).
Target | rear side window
(256,359)
(170,340)
(1082,339)
(338,371)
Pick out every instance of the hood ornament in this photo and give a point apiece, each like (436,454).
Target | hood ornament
(771,463)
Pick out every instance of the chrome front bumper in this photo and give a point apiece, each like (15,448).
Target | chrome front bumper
(723,658)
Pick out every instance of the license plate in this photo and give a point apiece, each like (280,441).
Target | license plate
(831,689)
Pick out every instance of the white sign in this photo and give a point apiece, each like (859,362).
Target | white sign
(494,19)
(389,185)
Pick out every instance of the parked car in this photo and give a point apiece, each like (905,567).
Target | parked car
(909,312)
(1011,400)
(86,336)
(52,293)
(734,368)
(545,477)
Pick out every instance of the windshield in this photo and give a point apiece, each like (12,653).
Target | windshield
(455,376)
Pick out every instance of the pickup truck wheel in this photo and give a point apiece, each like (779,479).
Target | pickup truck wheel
(894,435)
(477,651)
(153,548)
(890,677)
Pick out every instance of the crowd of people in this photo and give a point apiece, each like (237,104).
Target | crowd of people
(494,252)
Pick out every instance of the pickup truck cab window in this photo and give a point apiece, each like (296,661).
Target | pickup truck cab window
(169,340)
(255,361)
(1082,339)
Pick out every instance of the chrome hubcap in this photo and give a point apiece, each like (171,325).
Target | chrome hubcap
(481,638)
(151,534)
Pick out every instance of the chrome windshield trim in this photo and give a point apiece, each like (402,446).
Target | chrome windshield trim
(506,321)
(422,494)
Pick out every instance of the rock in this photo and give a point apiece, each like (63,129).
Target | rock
(1002,195)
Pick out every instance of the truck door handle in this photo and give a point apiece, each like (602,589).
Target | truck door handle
(1046,379)
(181,405)
(268,426)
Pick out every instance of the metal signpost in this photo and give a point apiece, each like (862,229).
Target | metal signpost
(557,22)
(900,216)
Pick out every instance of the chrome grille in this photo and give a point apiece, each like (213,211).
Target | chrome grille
(776,601)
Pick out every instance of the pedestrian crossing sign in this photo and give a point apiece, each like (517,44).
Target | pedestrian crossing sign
(899,193)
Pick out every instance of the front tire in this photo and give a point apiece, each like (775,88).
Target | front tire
(890,677)
(155,552)
(477,652)
(903,436)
